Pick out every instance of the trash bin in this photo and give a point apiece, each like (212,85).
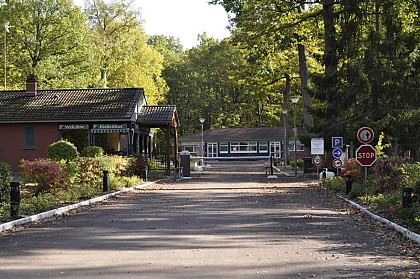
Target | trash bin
(185,164)
(307,164)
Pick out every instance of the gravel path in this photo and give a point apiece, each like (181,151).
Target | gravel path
(228,222)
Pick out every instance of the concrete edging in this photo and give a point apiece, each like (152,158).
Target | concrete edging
(64,209)
(404,231)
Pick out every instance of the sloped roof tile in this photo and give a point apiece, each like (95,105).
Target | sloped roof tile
(69,104)
(157,114)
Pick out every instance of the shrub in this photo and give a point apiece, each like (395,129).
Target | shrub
(412,179)
(5,178)
(360,190)
(92,151)
(62,150)
(40,203)
(354,169)
(90,171)
(389,174)
(336,183)
(48,175)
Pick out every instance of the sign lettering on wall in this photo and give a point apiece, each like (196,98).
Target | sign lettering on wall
(109,126)
(73,126)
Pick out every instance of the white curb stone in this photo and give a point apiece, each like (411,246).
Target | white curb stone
(64,209)
(404,231)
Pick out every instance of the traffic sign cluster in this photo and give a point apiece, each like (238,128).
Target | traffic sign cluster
(365,154)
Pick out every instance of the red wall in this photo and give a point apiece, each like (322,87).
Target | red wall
(12,142)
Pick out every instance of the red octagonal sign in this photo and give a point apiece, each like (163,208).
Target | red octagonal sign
(366,155)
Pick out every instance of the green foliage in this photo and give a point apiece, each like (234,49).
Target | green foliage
(52,43)
(389,174)
(354,169)
(299,163)
(380,147)
(336,183)
(62,150)
(92,151)
(47,174)
(360,190)
(5,179)
(40,203)
(121,182)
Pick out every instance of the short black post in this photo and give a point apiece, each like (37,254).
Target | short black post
(105,181)
(271,165)
(349,182)
(14,199)
(407,197)
(324,173)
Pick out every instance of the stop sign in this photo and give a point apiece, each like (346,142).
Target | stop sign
(366,155)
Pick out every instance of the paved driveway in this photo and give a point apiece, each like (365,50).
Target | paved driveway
(228,222)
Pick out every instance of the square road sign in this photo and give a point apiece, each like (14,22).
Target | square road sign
(337,142)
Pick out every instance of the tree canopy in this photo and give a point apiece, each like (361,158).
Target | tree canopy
(354,63)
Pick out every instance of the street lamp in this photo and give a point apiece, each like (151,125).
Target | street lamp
(285,140)
(295,99)
(202,135)
(6,30)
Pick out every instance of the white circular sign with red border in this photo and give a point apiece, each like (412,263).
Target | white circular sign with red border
(337,163)
(365,135)
(317,160)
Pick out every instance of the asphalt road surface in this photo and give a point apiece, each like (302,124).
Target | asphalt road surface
(228,222)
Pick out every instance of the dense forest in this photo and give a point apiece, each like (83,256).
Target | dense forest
(354,63)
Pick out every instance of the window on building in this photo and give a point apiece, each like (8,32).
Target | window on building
(191,148)
(299,145)
(243,147)
(263,147)
(224,147)
(29,138)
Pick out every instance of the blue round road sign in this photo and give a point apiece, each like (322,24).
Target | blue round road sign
(337,153)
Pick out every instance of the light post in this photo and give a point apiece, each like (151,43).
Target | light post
(295,99)
(285,140)
(202,138)
(6,30)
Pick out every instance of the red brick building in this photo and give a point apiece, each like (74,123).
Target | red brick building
(118,120)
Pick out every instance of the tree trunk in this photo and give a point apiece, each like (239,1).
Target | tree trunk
(331,57)
(308,120)
(285,109)
(104,78)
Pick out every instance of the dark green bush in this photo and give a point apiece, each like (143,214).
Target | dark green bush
(92,151)
(389,174)
(360,190)
(336,183)
(62,150)
(5,178)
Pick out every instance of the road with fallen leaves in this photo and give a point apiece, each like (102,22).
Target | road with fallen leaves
(229,221)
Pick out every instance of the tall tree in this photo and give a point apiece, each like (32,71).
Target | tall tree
(111,23)
(50,39)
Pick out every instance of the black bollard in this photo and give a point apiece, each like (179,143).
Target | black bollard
(105,180)
(324,173)
(271,165)
(14,199)
(349,182)
(407,197)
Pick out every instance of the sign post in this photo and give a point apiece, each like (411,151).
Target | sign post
(365,154)
(337,163)
(317,160)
